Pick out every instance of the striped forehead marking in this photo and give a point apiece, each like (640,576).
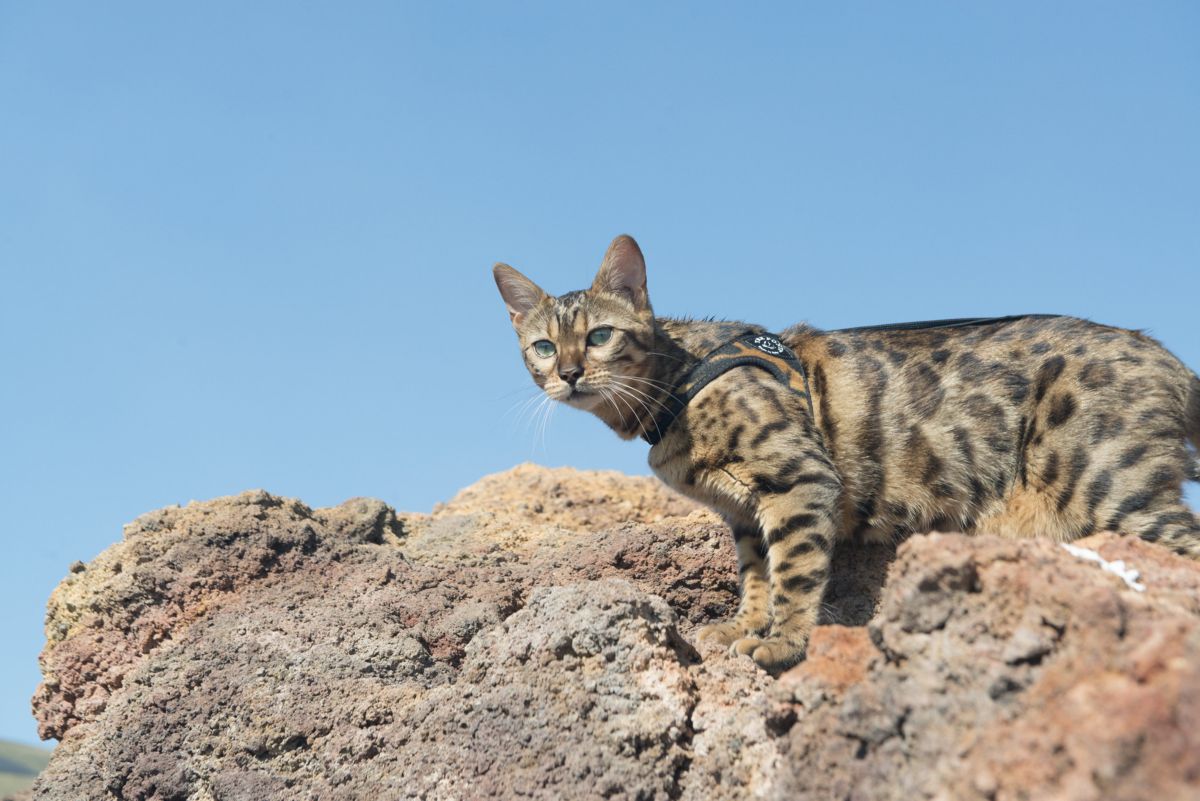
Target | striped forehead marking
(580,322)
(571,316)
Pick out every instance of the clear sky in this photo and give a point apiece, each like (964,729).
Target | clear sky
(249,244)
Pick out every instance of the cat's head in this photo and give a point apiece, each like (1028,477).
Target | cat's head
(592,348)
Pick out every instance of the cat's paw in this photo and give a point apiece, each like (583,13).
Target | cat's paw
(770,653)
(723,633)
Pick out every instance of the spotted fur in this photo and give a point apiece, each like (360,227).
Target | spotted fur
(1046,426)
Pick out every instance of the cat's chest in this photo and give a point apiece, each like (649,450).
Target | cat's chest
(705,484)
(735,441)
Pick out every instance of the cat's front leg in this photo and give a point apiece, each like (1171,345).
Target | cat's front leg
(798,523)
(753,614)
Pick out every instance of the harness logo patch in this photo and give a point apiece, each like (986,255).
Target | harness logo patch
(769,345)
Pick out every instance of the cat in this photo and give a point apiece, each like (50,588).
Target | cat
(1037,425)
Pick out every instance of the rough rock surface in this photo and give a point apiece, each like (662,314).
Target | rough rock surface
(533,638)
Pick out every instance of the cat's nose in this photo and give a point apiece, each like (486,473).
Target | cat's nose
(571,373)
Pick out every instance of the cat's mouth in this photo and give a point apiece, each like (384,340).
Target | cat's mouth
(575,393)
(580,397)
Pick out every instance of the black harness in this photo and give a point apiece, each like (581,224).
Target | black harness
(755,350)
(768,352)
(956,322)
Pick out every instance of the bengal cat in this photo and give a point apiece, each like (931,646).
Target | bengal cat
(1038,425)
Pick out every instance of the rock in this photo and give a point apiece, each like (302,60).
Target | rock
(1011,669)
(588,681)
(533,638)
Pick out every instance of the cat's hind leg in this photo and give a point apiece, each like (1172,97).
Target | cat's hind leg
(1138,489)
(1174,525)
(1151,505)
(1131,485)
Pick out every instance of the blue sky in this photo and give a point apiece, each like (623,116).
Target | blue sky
(248,245)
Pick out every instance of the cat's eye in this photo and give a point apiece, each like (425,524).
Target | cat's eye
(544,348)
(599,336)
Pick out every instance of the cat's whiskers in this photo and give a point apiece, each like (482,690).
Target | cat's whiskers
(654,381)
(660,385)
(547,409)
(645,395)
(520,407)
(634,392)
(830,613)
(526,414)
(604,393)
(623,391)
(624,397)
(512,392)
(665,355)
(535,414)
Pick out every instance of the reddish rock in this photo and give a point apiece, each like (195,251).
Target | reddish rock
(837,659)
(1012,670)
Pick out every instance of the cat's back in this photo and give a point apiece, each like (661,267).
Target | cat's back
(1014,361)
(950,418)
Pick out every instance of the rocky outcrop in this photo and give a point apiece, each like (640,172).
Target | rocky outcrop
(533,638)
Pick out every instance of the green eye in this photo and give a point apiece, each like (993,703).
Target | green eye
(599,336)
(543,348)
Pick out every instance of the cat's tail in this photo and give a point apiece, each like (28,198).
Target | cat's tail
(1193,425)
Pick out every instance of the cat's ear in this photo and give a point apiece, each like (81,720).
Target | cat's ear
(519,293)
(623,272)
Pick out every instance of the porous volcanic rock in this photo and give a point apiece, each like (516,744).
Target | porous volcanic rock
(533,637)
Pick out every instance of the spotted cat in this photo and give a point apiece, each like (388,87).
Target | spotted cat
(1021,426)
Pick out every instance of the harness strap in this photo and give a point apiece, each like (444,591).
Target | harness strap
(749,350)
(957,322)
